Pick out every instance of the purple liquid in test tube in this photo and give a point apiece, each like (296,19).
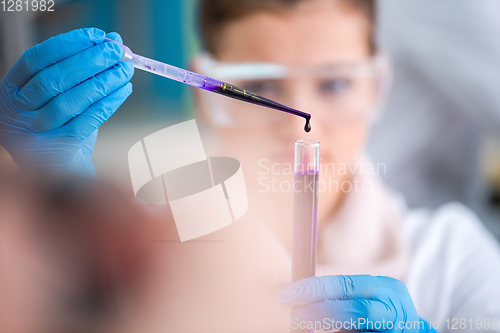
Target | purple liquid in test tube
(305,211)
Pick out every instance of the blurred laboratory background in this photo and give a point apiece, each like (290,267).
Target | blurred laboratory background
(439,131)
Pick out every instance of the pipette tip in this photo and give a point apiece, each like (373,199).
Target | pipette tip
(307,128)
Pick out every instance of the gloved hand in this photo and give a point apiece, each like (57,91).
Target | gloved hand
(55,97)
(353,302)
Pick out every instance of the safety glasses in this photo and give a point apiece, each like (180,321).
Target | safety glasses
(335,93)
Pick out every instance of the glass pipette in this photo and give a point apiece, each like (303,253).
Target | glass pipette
(205,82)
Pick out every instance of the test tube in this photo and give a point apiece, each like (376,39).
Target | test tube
(305,211)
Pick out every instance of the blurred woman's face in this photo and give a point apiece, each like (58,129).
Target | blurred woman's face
(311,35)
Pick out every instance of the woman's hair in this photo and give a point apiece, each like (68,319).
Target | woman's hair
(215,15)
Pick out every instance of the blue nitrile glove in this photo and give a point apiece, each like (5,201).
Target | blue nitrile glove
(55,97)
(353,302)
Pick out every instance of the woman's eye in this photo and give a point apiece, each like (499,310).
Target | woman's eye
(262,88)
(335,86)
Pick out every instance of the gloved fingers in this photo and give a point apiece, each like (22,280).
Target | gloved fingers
(88,145)
(115,36)
(84,125)
(66,74)
(50,52)
(365,314)
(335,287)
(73,102)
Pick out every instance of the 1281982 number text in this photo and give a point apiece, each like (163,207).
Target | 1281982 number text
(27,5)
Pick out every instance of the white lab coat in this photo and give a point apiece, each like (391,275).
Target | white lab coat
(454,268)
(228,281)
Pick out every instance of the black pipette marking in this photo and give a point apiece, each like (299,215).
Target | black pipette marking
(231,91)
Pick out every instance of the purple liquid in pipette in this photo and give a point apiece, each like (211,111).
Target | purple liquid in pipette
(231,91)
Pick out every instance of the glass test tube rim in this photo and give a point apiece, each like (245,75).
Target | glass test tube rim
(308,164)
(308,143)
